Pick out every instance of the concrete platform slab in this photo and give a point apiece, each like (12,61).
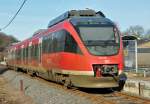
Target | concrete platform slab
(138,85)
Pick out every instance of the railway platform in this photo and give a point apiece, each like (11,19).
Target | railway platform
(138,84)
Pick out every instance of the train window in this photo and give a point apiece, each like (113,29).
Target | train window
(23,53)
(36,52)
(45,45)
(50,43)
(32,51)
(58,42)
(18,57)
(61,40)
(100,40)
(54,42)
(19,54)
(27,52)
(14,54)
(70,44)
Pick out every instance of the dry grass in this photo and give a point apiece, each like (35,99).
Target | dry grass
(9,95)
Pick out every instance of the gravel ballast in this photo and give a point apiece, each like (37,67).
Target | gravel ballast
(42,93)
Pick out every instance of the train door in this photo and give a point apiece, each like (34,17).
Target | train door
(40,51)
(22,54)
(29,53)
(25,57)
(26,52)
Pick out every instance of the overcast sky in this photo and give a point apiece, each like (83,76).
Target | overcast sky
(37,13)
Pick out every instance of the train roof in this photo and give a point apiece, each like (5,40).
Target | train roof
(88,20)
(75,13)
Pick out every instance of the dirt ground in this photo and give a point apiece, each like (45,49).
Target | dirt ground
(9,95)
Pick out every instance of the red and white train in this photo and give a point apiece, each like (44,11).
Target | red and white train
(80,48)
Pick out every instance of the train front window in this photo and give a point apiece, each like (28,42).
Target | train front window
(100,40)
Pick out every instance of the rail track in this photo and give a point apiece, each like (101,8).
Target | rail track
(100,96)
(97,96)
(109,97)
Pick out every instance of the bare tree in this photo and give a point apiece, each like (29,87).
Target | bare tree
(135,30)
(148,32)
(147,35)
(6,40)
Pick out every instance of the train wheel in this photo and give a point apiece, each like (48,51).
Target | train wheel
(68,83)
